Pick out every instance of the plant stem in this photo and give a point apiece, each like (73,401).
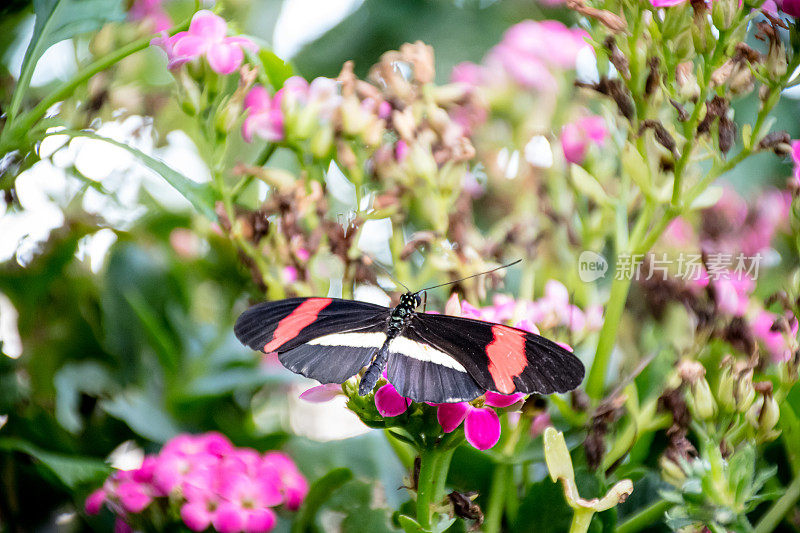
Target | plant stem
(581,520)
(497,493)
(779,509)
(434,465)
(25,123)
(645,517)
(595,383)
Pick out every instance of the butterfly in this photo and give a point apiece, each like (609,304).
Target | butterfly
(427,357)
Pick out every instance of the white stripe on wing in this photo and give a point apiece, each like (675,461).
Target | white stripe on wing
(423,352)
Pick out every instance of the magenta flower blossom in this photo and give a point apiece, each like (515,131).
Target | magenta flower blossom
(796,145)
(549,41)
(481,424)
(264,115)
(206,37)
(208,483)
(790,7)
(389,402)
(576,137)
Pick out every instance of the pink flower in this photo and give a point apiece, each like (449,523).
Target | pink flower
(121,526)
(540,422)
(207,37)
(264,115)
(468,73)
(152,11)
(549,41)
(95,501)
(732,293)
(481,424)
(389,402)
(294,486)
(774,340)
(576,137)
(133,496)
(796,144)
(246,501)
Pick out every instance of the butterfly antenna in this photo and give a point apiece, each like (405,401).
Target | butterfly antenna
(472,276)
(386,270)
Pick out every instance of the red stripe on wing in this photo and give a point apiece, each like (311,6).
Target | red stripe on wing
(507,360)
(293,323)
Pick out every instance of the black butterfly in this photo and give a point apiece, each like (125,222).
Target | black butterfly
(428,357)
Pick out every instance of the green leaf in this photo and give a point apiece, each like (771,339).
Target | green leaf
(410,525)
(588,185)
(276,69)
(58,20)
(72,470)
(200,195)
(143,415)
(318,494)
(70,381)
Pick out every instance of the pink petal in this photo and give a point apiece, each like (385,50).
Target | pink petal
(260,520)
(527,325)
(322,393)
(242,42)
(224,58)
(196,516)
(189,46)
(389,402)
(482,428)
(257,99)
(95,501)
(208,26)
(121,526)
(133,496)
(450,415)
(495,399)
(228,518)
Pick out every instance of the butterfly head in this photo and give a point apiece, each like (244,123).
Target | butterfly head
(411,300)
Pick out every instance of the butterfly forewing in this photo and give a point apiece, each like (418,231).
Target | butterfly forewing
(326,339)
(500,358)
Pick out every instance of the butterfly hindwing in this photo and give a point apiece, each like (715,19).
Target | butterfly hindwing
(500,358)
(326,339)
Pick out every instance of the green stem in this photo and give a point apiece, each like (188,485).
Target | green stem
(581,520)
(434,464)
(779,509)
(497,493)
(644,518)
(25,123)
(608,334)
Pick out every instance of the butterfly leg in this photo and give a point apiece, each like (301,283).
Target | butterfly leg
(374,370)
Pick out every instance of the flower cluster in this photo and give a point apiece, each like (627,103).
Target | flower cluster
(207,482)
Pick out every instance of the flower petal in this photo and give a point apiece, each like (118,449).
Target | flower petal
(495,399)
(188,47)
(450,415)
(389,402)
(482,428)
(224,58)
(257,99)
(322,393)
(209,26)
(242,42)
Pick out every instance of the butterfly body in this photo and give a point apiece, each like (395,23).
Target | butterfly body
(427,357)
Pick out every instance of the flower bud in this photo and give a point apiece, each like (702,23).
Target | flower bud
(322,142)
(671,471)
(763,415)
(723,12)
(687,82)
(703,401)
(229,113)
(745,393)
(726,390)
(776,62)
(190,96)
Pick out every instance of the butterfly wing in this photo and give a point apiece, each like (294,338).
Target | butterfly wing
(326,339)
(497,357)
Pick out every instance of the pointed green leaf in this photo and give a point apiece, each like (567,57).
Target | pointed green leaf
(72,470)
(200,195)
(58,20)
(318,494)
